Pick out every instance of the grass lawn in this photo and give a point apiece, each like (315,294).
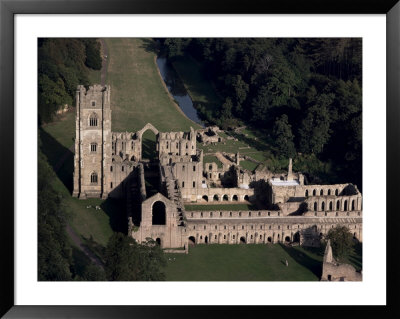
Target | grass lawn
(62,129)
(94,76)
(210,159)
(248,165)
(221,207)
(138,95)
(245,263)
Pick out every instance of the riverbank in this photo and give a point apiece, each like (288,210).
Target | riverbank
(178,108)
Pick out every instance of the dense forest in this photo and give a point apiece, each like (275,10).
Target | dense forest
(303,94)
(63,63)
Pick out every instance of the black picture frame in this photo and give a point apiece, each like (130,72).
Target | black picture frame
(8,10)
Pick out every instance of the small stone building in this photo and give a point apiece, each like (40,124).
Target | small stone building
(333,271)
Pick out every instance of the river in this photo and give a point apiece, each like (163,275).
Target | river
(177,89)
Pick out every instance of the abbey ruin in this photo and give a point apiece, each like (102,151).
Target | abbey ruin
(111,164)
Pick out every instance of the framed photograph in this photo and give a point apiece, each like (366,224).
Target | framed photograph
(270,113)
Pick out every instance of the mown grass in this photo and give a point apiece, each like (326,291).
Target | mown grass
(212,159)
(248,165)
(62,129)
(217,207)
(138,95)
(244,263)
(94,76)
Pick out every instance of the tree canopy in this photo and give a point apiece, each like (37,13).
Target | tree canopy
(63,63)
(341,241)
(126,260)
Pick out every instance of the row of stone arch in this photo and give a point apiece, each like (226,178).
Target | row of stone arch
(252,238)
(335,192)
(338,206)
(225,198)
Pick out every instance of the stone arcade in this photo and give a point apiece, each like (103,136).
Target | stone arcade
(112,164)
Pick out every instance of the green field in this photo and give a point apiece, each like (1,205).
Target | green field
(211,159)
(248,165)
(245,263)
(138,94)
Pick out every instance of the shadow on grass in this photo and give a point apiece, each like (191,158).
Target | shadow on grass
(315,266)
(60,158)
(115,208)
(149,148)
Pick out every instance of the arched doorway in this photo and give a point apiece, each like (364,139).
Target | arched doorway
(242,240)
(225,198)
(158,241)
(206,240)
(192,241)
(235,198)
(269,239)
(287,239)
(345,205)
(246,197)
(215,198)
(149,145)
(158,213)
(296,237)
(205,197)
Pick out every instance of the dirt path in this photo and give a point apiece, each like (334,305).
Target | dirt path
(77,241)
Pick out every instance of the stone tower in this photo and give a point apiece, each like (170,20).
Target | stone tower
(93,142)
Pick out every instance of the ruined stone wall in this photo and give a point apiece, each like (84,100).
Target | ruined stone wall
(261,229)
(170,235)
(126,145)
(282,194)
(218,195)
(214,173)
(189,176)
(178,143)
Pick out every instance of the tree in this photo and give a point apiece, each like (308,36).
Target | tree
(341,241)
(314,130)
(126,260)
(93,56)
(240,88)
(282,133)
(54,250)
(226,111)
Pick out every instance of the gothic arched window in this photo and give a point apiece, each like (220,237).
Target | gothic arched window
(93,178)
(93,147)
(93,119)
